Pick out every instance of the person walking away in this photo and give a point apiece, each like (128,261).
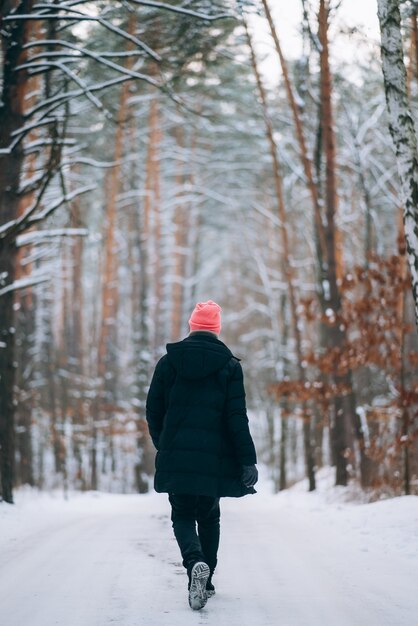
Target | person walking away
(198,422)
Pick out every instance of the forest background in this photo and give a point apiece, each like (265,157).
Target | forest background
(149,159)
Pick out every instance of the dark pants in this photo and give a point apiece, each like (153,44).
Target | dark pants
(201,545)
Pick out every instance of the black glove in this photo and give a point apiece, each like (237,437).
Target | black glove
(249,475)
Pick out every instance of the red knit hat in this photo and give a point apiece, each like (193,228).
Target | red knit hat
(206,316)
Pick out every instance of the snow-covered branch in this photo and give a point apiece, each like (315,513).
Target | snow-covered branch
(184,11)
(40,236)
(22,283)
(49,65)
(30,217)
(79,16)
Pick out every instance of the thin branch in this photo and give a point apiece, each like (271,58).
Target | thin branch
(69,73)
(22,283)
(82,17)
(76,57)
(44,120)
(92,162)
(37,146)
(22,132)
(64,199)
(40,236)
(92,55)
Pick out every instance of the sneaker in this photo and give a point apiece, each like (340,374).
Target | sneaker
(198,579)
(210,589)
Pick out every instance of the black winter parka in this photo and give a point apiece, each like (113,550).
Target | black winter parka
(197,419)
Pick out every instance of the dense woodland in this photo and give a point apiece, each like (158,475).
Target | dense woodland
(147,161)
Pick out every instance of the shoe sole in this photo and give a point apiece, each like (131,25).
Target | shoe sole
(198,578)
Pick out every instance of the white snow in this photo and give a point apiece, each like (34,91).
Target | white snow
(294,559)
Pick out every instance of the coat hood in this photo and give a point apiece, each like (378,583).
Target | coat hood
(198,356)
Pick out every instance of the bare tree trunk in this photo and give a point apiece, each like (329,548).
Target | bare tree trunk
(57,443)
(145,244)
(283,452)
(286,257)
(107,356)
(414,38)
(284,402)
(404,408)
(152,221)
(412,71)
(344,404)
(24,305)
(401,126)
(159,333)
(11,119)
(25,329)
(77,335)
(76,343)
(180,242)
(323,328)
(192,240)
(139,242)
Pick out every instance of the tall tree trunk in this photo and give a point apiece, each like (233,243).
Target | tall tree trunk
(25,319)
(401,126)
(180,241)
(160,253)
(152,220)
(323,327)
(412,71)
(52,402)
(140,314)
(286,259)
(76,348)
(142,226)
(404,407)
(284,401)
(107,357)
(344,403)
(414,38)
(65,347)
(25,327)
(13,38)
(192,238)
(77,248)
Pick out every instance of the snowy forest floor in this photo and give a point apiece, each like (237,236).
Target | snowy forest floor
(293,559)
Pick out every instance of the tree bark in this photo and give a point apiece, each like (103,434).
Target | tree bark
(412,71)
(284,402)
(404,408)
(401,127)
(25,306)
(11,162)
(180,243)
(152,220)
(344,405)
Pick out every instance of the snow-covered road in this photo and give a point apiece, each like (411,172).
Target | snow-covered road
(288,560)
